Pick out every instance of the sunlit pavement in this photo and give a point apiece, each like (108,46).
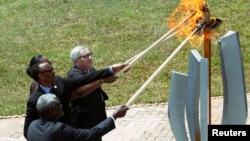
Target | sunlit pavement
(142,123)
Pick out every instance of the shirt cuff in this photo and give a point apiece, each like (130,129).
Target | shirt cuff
(113,118)
(111,71)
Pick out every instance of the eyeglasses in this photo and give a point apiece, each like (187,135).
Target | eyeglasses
(49,71)
(86,56)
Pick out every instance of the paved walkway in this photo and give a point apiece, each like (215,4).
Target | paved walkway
(142,123)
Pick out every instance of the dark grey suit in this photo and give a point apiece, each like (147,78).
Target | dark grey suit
(89,110)
(42,130)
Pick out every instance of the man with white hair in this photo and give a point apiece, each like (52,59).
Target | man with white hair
(87,111)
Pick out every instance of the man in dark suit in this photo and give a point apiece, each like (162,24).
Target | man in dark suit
(47,128)
(89,110)
(44,74)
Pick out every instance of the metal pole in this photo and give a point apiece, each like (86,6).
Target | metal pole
(207,54)
(165,37)
(163,65)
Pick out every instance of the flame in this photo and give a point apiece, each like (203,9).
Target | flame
(184,9)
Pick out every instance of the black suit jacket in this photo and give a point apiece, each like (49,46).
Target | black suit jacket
(42,130)
(91,107)
(63,87)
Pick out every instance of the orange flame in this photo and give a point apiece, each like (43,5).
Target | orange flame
(184,9)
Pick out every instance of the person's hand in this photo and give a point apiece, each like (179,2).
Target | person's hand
(110,79)
(120,111)
(118,67)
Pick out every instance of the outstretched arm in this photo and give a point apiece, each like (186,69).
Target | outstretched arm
(84,90)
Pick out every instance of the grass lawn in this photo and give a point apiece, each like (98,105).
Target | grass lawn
(115,30)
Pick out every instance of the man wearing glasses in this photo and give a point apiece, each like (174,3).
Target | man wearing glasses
(90,110)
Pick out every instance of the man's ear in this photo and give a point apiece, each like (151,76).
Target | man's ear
(76,62)
(40,76)
(51,110)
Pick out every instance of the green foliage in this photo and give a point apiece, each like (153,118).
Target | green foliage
(115,30)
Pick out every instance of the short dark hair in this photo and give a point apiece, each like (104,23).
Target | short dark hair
(35,70)
(35,59)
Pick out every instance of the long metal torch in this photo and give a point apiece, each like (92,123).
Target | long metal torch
(160,68)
